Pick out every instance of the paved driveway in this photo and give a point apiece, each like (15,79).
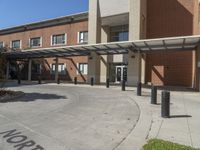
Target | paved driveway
(60,117)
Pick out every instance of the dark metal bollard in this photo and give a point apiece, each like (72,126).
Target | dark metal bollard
(165,108)
(75,80)
(107,83)
(92,82)
(123,85)
(139,89)
(153,95)
(39,80)
(58,81)
(19,80)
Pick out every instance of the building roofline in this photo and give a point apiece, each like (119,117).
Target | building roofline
(46,23)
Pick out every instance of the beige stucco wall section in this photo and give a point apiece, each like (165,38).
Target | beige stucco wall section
(143,33)
(136,65)
(104,62)
(98,66)
(196,31)
(94,26)
(113,7)
(94,37)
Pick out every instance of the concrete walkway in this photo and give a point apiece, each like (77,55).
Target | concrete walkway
(183,127)
(59,117)
(112,125)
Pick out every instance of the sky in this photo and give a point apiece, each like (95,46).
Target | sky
(19,12)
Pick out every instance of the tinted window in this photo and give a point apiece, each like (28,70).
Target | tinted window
(16,44)
(58,39)
(35,42)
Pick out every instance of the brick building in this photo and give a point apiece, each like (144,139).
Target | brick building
(62,31)
(127,20)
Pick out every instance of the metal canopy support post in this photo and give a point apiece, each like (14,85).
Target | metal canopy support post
(7,69)
(29,69)
(56,69)
(19,73)
(197,69)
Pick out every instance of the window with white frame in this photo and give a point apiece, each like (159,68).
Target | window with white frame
(59,39)
(35,42)
(1,44)
(16,44)
(82,68)
(61,68)
(83,37)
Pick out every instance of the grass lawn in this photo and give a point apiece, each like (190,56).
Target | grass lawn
(156,144)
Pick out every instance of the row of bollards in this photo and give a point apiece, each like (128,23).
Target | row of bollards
(39,80)
(75,81)
(154,95)
(107,83)
(139,89)
(19,81)
(123,85)
(165,96)
(165,101)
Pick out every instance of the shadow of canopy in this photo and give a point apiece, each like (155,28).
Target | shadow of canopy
(30,97)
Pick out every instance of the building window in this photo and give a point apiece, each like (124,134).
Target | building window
(1,44)
(82,68)
(59,39)
(16,44)
(35,42)
(119,33)
(83,37)
(61,68)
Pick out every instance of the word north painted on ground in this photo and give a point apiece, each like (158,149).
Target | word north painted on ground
(19,141)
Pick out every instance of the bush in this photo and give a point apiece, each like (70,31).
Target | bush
(2,69)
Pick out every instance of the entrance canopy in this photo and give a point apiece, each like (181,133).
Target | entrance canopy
(143,46)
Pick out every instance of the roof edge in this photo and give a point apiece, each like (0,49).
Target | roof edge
(46,23)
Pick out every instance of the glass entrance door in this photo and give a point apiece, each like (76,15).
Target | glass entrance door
(121,73)
(118,74)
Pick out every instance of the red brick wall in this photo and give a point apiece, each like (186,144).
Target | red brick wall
(70,29)
(168,18)
(172,68)
(72,32)
(71,68)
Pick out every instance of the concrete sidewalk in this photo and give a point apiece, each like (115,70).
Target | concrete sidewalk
(66,117)
(182,127)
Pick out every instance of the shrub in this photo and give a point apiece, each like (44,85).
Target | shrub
(2,68)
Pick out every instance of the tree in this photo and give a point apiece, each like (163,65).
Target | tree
(2,68)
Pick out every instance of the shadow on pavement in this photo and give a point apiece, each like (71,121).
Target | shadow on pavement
(15,84)
(29,97)
(180,116)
